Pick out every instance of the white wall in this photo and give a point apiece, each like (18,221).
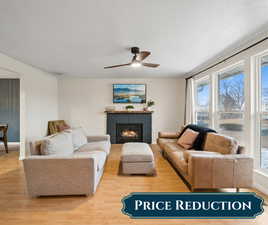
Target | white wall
(39,97)
(82,102)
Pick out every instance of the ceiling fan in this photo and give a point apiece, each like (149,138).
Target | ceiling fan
(137,59)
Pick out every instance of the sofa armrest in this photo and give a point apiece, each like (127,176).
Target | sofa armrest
(60,175)
(98,138)
(171,135)
(220,171)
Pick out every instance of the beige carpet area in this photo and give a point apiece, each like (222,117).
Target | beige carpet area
(104,207)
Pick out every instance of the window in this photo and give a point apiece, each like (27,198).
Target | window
(202,100)
(264,112)
(230,104)
(234,102)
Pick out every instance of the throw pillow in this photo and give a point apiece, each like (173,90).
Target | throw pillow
(187,138)
(79,138)
(63,127)
(199,141)
(60,144)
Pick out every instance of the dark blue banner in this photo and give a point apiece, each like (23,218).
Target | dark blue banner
(192,205)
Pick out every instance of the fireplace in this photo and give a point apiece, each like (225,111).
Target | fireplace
(135,126)
(130,132)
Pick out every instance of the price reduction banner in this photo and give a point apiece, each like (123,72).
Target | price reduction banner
(192,205)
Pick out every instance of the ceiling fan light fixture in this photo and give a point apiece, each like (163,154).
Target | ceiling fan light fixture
(135,64)
(137,60)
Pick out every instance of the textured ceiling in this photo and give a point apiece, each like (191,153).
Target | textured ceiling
(80,37)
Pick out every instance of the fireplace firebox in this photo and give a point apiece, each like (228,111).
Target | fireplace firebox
(129,126)
(130,132)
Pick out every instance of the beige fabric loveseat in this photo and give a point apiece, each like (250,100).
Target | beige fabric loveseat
(75,174)
(222,163)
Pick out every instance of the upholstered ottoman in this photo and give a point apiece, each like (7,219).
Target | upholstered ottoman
(137,158)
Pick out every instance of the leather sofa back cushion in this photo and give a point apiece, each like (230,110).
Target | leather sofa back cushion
(220,143)
(187,139)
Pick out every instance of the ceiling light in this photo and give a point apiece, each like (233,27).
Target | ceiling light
(136,64)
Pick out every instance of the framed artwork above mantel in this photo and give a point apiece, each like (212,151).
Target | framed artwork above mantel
(129,93)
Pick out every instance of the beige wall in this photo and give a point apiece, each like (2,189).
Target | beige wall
(82,102)
(39,98)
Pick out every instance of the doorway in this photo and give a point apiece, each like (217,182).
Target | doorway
(10,113)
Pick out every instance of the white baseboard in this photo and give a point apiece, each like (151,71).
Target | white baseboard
(260,181)
(261,188)
(11,143)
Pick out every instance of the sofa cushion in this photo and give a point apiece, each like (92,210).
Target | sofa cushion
(163,141)
(79,138)
(172,147)
(59,144)
(179,161)
(187,139)
(186,154)
(99,157)
(102,146)
(220,143)
(173,135)
(199,141)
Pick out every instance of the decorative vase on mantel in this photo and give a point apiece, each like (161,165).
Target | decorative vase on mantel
(148,106)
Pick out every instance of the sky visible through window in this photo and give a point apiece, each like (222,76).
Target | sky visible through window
(203,95)
(227,83)
(231,92)
(264,120)
(230,86)
(264,85)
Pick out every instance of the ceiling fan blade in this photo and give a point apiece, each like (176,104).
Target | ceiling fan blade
(142,55)
(109,67)
(151,65)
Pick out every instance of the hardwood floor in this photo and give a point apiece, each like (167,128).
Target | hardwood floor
(102,208)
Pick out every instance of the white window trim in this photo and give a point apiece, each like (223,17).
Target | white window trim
(215,99)
(256,110)
(192,83)
(195,83)
(216,92)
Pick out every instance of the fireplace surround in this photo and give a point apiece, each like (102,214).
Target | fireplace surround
(129,126)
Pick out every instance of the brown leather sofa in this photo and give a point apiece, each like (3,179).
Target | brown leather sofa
(221,164)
